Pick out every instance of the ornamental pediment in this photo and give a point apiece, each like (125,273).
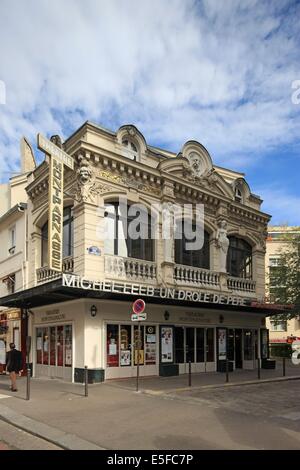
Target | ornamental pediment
(206,178)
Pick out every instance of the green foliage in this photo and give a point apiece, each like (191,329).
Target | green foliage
(286,279)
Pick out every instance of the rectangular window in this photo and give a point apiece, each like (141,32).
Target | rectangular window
(190,344)
(68,346)
(112,346)
(166,344)
(138,344)
(210,345)
(248,345)
(179,344)
(280,325)
(60,345)
(52,346)
(125,345)
(150,345)
(200,344)
(12,240)
(39,346)
(45,346)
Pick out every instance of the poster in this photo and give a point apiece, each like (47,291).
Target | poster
(141,357)
(166,344)
(112,349)
(125,357)
(39,343)
(68,358)
(150,353)
(222,344)
(2,352)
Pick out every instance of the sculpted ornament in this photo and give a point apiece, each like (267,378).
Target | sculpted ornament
(223,245)
(85,188)
(192,172)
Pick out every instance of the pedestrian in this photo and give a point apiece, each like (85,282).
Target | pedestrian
(14,362)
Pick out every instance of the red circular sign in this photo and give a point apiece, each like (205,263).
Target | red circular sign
(138,306)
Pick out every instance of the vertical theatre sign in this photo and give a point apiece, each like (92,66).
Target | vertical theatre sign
(58,158)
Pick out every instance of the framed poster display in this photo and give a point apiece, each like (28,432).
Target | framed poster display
(166,338)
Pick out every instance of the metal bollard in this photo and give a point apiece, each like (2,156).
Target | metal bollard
(86,380)
(28,383)
(258,368)
(190,374)
(283,367)
(227,370)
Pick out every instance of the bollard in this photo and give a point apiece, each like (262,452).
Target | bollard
(283,367)
(86,379)
(190,373)
(227,370)
(28,383)
(258,368)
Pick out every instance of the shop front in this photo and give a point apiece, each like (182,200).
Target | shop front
(94,329)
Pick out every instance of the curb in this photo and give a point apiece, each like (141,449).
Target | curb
(216,386)
(60,438)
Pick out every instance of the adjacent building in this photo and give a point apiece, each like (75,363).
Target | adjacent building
(201,303)
(14,250)
(279,240)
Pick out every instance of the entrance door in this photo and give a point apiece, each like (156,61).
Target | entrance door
(238,349)
(189,346)
(54,351)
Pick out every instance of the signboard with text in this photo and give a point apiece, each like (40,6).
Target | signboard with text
(55,221)
(57,159)
(138,316)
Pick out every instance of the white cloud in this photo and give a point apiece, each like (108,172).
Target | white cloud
(284,205)
(217,72)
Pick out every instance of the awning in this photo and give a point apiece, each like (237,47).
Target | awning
(54,292)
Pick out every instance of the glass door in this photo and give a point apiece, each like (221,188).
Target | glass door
(189,346)
(238,349)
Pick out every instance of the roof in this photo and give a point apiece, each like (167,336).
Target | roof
(21,206)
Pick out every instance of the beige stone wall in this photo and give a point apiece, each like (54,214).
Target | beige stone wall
(156,176)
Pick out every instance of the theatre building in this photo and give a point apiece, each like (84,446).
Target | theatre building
(201,303)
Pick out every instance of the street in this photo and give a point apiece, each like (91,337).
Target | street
(261,416)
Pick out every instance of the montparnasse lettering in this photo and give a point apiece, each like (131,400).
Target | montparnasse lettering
(55,214)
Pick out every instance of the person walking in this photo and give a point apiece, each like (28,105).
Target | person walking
(14,363)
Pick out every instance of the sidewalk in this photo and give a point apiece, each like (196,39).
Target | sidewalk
(161,385)
(113,416)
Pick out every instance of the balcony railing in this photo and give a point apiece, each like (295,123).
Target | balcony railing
(196,276)
(46,274)
(117,267)
(240,284)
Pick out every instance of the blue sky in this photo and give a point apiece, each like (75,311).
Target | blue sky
(217,72)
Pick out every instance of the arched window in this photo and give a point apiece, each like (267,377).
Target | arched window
(238,195)
(118,239)
(131,148)
(184,255)
(68,234)
(239,258)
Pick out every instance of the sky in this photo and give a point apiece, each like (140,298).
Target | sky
(219,72)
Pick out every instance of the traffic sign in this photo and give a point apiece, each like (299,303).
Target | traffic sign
(139,316)
(138,306)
